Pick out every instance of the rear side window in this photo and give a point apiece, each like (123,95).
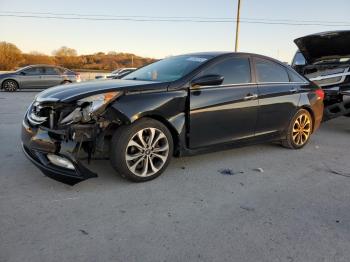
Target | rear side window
(235,70)
(295,77)
(270,72)
(51,71)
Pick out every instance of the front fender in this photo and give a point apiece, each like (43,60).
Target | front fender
(169,106)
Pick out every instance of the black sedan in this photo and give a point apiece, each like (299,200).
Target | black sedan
(37,76)
(178,106)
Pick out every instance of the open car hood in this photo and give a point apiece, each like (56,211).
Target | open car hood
(322,46)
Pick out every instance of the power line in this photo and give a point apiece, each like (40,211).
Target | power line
(116,19)
(174,17)
(116,16)
(146,19)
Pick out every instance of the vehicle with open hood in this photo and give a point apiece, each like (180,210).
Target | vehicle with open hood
(324,58)
(177,106)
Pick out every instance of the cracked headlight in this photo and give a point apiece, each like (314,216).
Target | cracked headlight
(89,107)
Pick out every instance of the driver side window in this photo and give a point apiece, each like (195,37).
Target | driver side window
(33,71)
(235,70)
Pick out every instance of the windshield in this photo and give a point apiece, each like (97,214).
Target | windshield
(115,71)
(22,69)
(299,59)
(168,69)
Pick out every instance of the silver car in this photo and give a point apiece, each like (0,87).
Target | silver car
(37,77)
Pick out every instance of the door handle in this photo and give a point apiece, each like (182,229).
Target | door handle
(293,90)
(250,97)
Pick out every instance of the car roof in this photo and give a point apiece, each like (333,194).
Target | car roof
(42,65)
(209,53)
(226,53)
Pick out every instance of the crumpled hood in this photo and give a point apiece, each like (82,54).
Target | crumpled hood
(327,45)
(71,92)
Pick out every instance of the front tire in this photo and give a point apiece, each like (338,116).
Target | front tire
(10,86)
(141,151)
(299,130)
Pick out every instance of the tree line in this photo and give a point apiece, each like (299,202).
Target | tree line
(11,58)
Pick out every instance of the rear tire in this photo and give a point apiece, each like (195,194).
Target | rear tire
(299,130)
(10,85)
(141,151)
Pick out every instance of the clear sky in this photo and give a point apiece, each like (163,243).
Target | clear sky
(160,39)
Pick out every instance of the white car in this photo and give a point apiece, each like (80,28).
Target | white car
(118,73)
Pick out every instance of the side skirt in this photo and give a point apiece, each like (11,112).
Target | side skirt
(231,145)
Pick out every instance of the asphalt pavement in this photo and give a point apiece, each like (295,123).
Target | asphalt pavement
(258,203)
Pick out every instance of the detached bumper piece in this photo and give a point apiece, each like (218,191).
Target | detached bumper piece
(55,159)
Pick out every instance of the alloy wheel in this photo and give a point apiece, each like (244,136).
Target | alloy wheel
(147,152)
(10,86)
(301,129)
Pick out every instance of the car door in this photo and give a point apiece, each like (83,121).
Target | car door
(227,112)
(52,77)
(31,78)
(278,97)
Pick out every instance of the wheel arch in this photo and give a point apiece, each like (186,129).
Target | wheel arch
(66,81)
(306,103)
(175,134)
(312,113)
(7,79)
(175,124)
(169,108)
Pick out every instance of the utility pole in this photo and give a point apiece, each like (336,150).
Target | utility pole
(132,60)
(237,24)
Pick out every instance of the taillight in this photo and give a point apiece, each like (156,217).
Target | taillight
(320,94)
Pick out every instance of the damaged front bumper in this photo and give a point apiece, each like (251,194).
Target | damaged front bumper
(39,142)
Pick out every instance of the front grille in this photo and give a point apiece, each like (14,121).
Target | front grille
(330,76)
(328,81)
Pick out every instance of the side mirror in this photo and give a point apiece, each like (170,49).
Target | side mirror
(208,80)
(23,73)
